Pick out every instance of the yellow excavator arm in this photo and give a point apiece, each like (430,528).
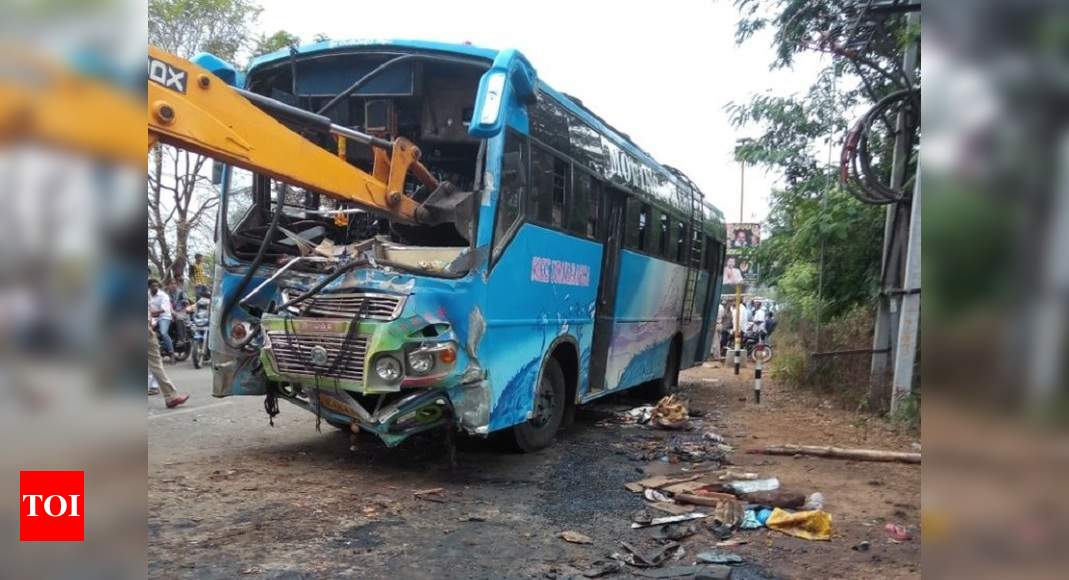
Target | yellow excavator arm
(192,109)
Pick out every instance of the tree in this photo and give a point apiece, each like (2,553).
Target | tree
(823,246)
(180,197)
(280,39)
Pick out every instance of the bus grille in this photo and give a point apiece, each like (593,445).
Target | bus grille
(293,355)
(348,305)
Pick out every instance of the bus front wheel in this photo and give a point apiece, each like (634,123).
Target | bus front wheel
(548,413)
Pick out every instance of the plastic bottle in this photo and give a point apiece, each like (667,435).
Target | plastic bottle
(814,502)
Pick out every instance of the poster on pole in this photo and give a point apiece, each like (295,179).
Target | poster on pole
(742,239)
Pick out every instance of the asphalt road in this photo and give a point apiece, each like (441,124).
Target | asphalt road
(231,496)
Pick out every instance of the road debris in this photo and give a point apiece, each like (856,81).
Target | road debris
(719,558)
(647,559)
(751,486)
(656,496)
(897,533)
(812,525)
(714,572)
(729,513)
(434,494)
(671,508)
(839,453)
(678,531)
(603,567)
(862,546)
(670,413)
(576,537)
(778,498)
(670,572)
(815,501)
(670,520)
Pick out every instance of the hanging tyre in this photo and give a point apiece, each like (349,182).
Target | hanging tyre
(548,413)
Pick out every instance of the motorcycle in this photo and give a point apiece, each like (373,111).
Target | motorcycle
(201,317)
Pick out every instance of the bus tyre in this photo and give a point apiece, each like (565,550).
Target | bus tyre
(538,431)
(667,384)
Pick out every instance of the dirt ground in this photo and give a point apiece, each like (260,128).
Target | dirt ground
(230,496)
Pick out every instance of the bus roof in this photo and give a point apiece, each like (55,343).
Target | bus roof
(573,104)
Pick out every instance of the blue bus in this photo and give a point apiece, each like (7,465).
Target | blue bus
(576,265)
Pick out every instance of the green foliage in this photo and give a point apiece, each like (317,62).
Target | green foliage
(186,27)
(822,247)
(265,44)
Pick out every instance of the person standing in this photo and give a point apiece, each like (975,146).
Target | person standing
(155,369)
(759,317)
(197,275)
(160,310)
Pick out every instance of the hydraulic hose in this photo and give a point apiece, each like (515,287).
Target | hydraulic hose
(232,300)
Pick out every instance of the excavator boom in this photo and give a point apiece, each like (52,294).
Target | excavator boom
(192,109)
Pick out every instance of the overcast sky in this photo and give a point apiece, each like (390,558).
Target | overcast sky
(660,71)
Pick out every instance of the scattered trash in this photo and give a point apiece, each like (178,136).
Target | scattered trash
(678,531)
(729,512)
(711,499)
(763,514)
(814,502)
(733,542)
(252,570)
(430,494)
(778,498)
(810,525)
(840,453)
(642,517)
(638,415)
(603,567)
(576,537)
(640,559)
(671,508)
(897,533)
(670,413)
(714,572)
(712,436)
(719,558)
(741,475)
(671,519)
(861,546)
(721,530)
(656,496)
(751,486)
(658,481)
(670,572)
(750,521)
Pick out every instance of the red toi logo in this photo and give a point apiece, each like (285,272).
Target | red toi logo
(51,506)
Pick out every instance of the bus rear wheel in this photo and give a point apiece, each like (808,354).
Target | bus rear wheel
(667,383)
(538,431)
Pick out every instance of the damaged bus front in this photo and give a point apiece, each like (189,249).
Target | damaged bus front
(367,322)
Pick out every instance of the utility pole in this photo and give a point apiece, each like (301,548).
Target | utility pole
(738,287)
(894,285)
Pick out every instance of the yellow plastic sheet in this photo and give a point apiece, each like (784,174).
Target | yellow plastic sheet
(814,525)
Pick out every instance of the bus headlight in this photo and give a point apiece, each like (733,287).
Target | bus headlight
(388,368)
(420,362)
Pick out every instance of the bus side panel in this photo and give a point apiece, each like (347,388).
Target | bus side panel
(541,290)
(648,301)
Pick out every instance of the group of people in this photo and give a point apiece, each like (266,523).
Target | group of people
(162,305)
(754,319)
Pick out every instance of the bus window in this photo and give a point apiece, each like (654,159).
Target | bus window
(513,184)
(595,208)
(680,238)
(540,198)
(583,208)
(662,234)
(638,217)
(562,180)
